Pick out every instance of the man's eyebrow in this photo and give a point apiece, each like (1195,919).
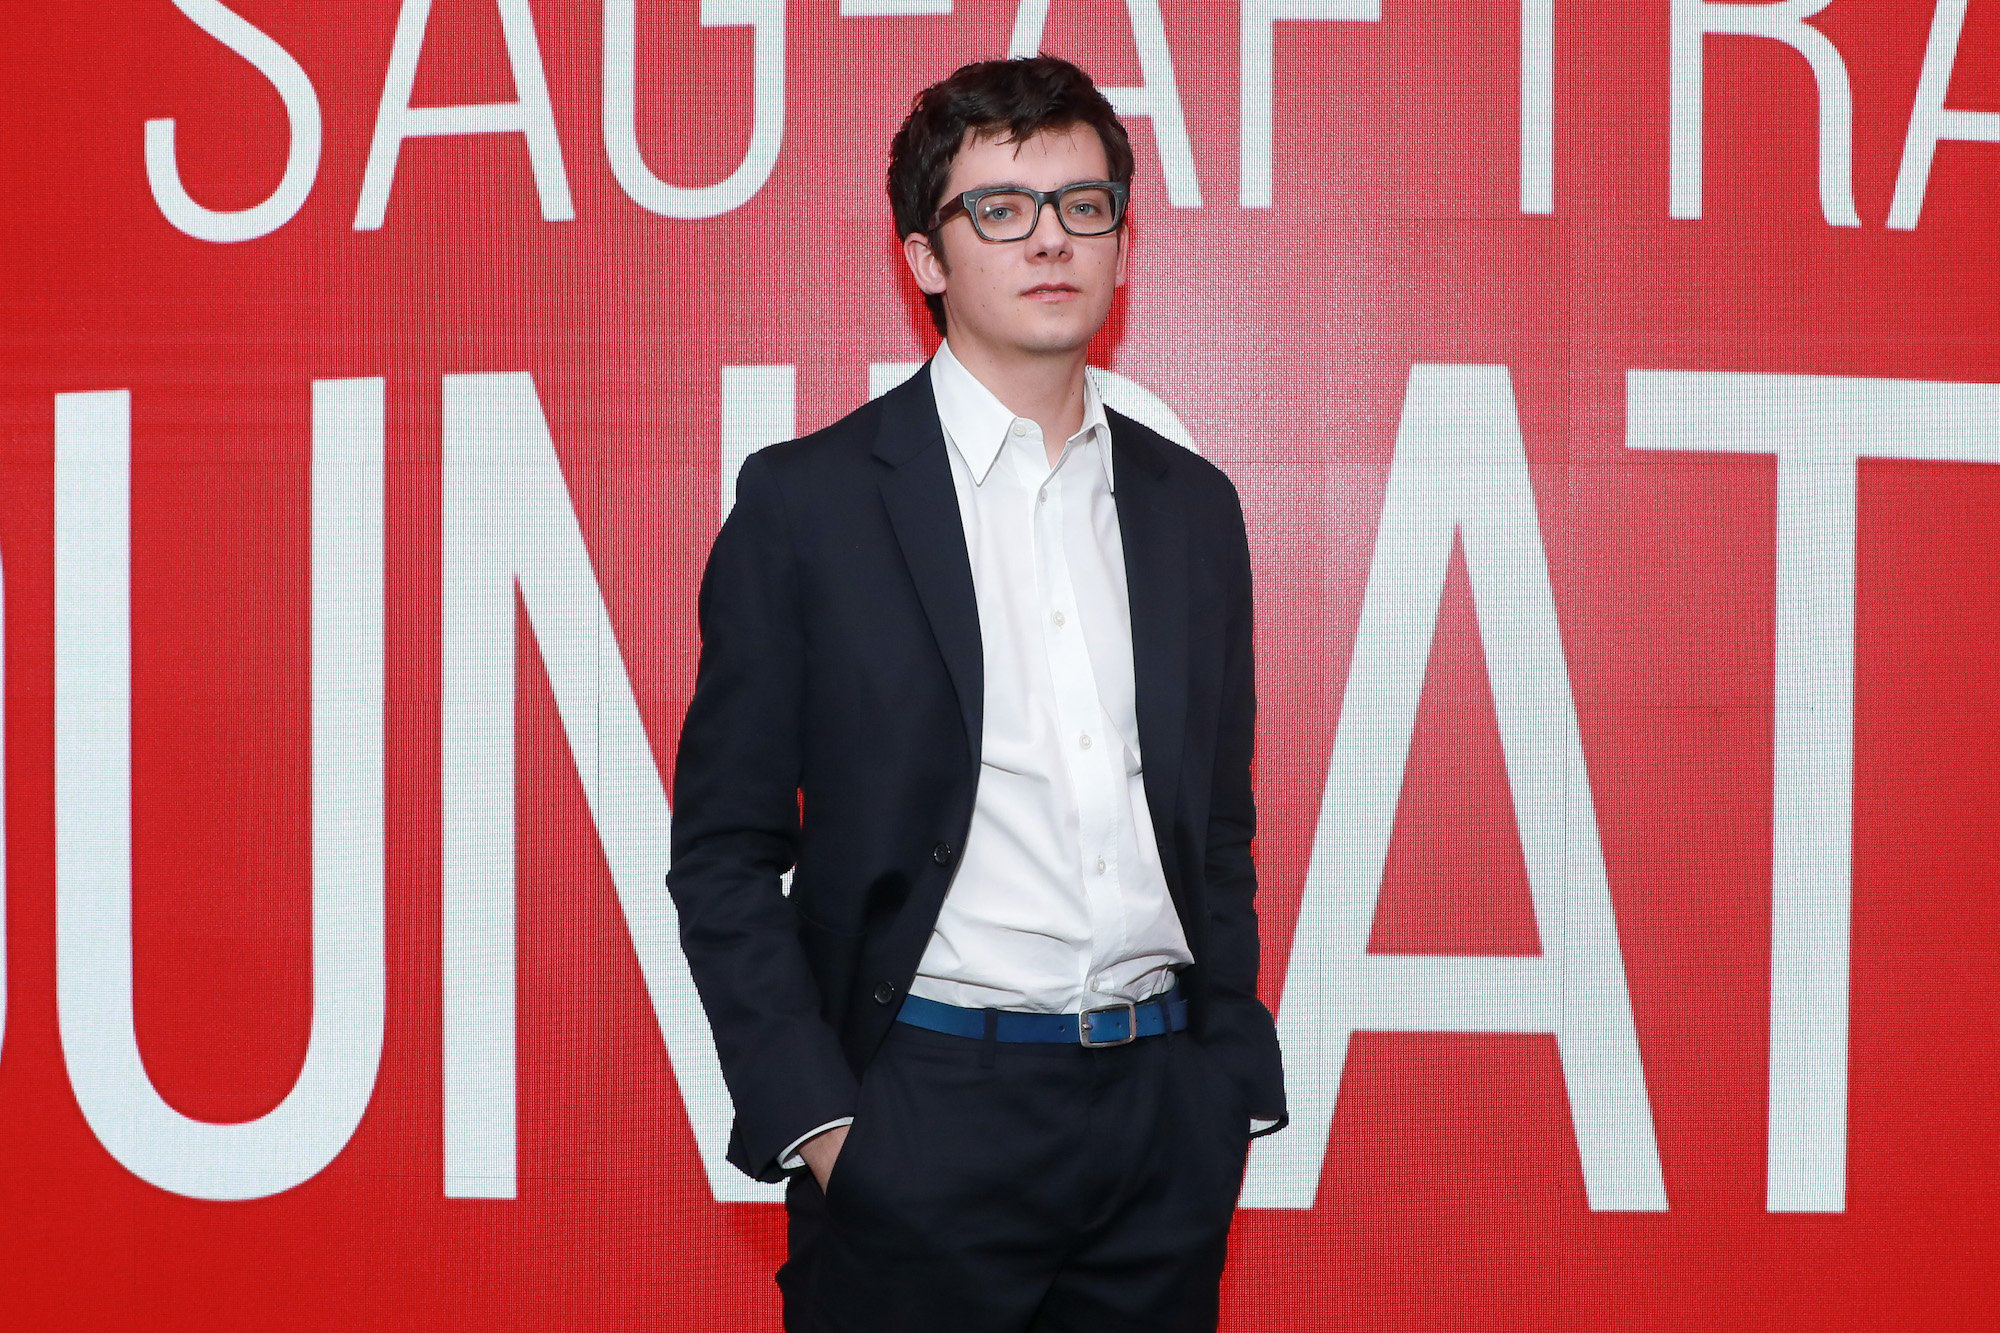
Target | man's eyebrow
(1016,185)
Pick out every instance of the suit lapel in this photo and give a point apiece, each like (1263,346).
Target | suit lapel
(1153,530)
(923,510)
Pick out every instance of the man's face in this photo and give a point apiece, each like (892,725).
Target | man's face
(1046,294)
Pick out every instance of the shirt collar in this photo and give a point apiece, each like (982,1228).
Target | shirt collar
(976,422)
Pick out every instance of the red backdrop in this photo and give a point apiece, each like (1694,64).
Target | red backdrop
(1407,242)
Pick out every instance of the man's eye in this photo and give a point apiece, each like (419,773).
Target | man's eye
(1084,207)
(997,212)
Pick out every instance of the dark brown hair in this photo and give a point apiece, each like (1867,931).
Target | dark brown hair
(1011,99)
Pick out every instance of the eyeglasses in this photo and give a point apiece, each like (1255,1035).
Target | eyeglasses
(1011,212)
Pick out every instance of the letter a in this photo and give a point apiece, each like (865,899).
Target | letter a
(1156,98)
(1460,464)
(1931,120)
(530,116)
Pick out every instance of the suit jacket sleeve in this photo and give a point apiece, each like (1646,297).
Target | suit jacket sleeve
(736,831)
(1239,1022)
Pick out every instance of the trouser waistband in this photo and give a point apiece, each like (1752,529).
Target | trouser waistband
(1107,1025)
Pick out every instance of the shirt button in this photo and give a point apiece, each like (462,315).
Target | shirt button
(1100,865)
(885,992)
(1084,740)
(1020,428)
(1061,620)
(942,853)
(1042,496)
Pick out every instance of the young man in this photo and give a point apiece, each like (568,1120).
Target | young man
(976,660)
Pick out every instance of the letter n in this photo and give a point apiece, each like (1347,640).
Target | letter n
(508,523)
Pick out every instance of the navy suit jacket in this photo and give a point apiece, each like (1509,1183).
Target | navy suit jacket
(835,728)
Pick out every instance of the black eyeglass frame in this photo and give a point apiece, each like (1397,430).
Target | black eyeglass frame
(965,202)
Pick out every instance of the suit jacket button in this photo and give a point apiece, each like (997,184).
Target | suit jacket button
(942,853)
(885,992)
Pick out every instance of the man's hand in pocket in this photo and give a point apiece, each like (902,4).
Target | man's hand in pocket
(821,1150)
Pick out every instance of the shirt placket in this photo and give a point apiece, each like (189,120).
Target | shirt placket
(1091,750)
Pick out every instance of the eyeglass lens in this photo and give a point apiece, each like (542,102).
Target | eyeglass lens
(1007,216)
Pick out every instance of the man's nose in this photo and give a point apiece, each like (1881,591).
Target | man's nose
(1048,235)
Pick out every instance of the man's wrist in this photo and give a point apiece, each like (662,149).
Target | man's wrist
(821,1151)
(790,1160)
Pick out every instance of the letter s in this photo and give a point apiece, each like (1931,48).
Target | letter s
(301,158)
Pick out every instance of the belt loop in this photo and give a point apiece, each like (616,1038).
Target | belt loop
(990,1043)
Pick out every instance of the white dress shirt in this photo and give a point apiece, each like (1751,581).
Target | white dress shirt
(1059,903)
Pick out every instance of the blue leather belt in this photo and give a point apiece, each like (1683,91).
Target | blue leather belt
(1111,1025)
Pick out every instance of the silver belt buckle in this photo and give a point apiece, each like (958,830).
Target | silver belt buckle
(1131,1024)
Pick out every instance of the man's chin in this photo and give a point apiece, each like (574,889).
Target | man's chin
(1040,338)
(1060,340)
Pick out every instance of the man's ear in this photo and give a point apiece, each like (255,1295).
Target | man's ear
(926,264)
(1124,248)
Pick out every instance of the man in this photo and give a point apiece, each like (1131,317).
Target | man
(976,660)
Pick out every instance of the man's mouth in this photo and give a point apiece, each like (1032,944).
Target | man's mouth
(1051,290)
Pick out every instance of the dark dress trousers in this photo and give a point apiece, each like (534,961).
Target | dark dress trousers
(835,728)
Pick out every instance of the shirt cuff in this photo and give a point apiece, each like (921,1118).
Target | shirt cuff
(789,1159)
